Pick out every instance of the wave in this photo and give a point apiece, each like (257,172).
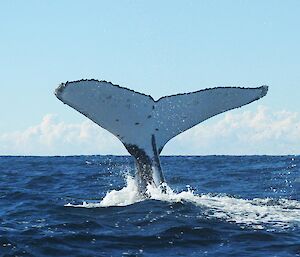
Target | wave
(257,213)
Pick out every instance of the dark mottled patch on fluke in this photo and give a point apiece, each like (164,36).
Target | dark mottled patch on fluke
(138,153)
(143,167)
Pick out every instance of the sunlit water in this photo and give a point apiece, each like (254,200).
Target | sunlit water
(90,206)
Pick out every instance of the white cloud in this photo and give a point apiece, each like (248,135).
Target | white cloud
(53,137)
(250,132)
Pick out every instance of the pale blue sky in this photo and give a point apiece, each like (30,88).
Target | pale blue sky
(156,47)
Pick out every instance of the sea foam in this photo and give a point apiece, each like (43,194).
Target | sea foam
(257,213)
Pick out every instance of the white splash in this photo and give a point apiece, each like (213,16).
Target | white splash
(126,196)
(256,213)
(123,197)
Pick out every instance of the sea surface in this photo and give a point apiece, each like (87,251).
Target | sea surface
(89,206)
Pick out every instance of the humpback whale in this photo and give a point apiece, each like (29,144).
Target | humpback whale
(145,125)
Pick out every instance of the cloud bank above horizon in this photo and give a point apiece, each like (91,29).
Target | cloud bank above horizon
(260,132)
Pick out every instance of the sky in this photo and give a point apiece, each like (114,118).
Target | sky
(158,48)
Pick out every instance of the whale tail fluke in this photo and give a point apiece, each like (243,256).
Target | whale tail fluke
(144,125)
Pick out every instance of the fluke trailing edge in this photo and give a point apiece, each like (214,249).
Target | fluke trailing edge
(145,125)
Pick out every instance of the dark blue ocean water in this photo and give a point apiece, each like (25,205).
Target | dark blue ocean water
(220,206)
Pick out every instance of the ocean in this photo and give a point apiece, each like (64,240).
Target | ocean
(89,206)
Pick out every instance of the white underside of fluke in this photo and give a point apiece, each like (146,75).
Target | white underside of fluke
(144,125)
(134,117)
